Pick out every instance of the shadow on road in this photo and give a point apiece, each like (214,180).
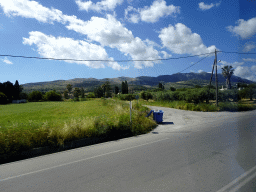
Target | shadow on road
(167,123)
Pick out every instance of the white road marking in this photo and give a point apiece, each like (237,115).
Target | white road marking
(238,179)
(8,178)
(243,183)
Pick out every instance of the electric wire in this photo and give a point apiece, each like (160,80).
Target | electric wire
(27,57)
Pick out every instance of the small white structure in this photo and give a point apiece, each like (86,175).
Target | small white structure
(222,89)
(19,101)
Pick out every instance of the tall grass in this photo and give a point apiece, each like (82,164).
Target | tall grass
(16,138)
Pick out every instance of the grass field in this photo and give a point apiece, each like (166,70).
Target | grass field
(34,114)
(31,125)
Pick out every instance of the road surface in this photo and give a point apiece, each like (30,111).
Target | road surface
(190,151)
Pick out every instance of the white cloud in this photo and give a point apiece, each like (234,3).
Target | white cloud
(157,10)
(7,61)
(151,43)
(110,32)
(249,46)
(166,55)
(181,40)
(200,71)
(204,6)
(104,5)
(63,48)
(245,29)
(234,64)
(249,60)
(151,14)
(107,31)
(31,9)
(246,72)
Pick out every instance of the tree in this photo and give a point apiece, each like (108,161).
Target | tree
(107,89)
(35,96)
(98,92)
(82,92)
(16,90)
(3,98)
(77,92)
(161,86)
(9,91)
(66,94)
(52,96)
(124,87)
(116,90)
(69,88)
(227,72)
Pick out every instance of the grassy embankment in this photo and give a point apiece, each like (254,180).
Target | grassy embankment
(243,105)
(32,125)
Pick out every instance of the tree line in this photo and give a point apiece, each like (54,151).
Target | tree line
(10,92)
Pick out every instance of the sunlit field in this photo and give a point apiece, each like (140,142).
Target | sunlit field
(37,124)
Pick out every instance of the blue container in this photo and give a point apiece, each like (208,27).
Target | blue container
(158,116)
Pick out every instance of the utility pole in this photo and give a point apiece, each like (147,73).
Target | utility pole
(216,78)
(211,80)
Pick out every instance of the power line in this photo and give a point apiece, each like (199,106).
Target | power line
(236,52)
(26,57)
(194,63)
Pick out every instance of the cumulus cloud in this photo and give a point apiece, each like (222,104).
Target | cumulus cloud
(31,9)
(106,31)
(110,32)
(246,72)
(244,29)
(180,40)
(7,61)
(249,46)
(204,6)
(62,48)
(151,14)
(104,5)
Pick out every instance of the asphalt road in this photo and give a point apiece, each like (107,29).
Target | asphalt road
(190,151)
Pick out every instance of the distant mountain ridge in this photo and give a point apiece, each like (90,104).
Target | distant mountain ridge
(141,81)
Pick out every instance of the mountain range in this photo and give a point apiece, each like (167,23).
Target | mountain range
(177,80)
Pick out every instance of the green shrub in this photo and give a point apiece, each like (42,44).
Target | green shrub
(91,95)
(172,89)
(35,96)
(146,95)
(127,97)
(52,96)
(3,98)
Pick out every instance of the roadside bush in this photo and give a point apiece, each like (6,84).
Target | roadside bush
(3,98)
(52,96)
(35,96)
(146,95)
(127,97)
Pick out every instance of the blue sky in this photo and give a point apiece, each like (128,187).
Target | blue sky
(124,30)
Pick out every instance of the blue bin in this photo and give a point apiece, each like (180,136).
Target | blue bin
(158,116)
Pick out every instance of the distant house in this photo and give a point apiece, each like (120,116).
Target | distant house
(19,101)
